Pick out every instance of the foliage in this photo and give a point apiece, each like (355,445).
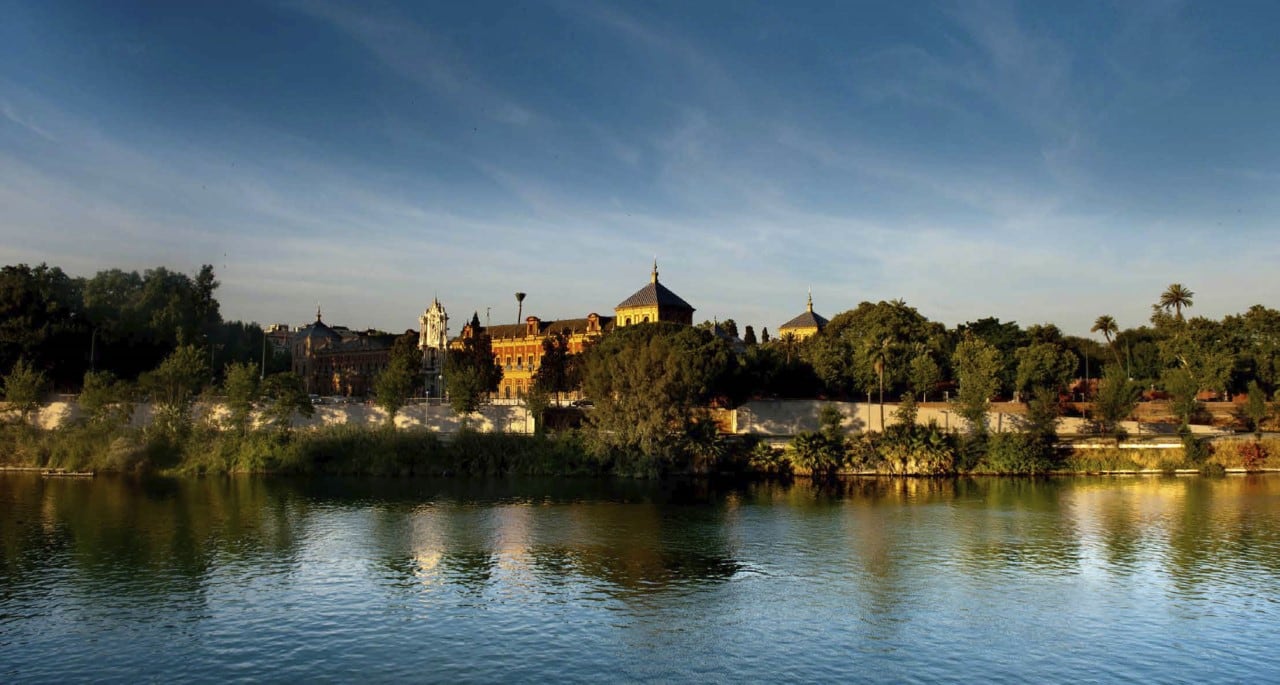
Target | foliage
(394,384)
(1005,337)
(557,370)
(1043,414)
(977,366)
(1252,455)
(172,387)
(823,453)
(286,395)
(471,373)
(241,389)
(1018,453)
(924,374)
(1175,297)
(1255,408)
(1116,399)
(646,382)
(1106,325)
(858,348)
(106,400)
(1044,364)
(1195,450)
(1182,388)
(536,402)
(24,388)
(749,337)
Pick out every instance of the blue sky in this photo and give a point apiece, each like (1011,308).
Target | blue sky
(1032,161)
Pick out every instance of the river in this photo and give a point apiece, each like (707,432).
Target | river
(985,580)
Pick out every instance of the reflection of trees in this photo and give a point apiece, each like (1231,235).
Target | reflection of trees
(142,538)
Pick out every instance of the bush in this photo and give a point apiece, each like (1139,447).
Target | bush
(1018,453)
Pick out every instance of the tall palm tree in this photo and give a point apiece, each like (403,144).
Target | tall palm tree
(879,354)
(1107,327)
(1176,297)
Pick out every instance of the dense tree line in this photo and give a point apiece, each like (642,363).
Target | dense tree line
(123,322)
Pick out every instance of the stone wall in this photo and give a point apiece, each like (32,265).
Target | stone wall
(509,418)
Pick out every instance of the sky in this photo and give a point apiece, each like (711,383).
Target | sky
(1037,162)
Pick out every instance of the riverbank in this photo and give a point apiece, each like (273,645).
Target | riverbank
(383,451)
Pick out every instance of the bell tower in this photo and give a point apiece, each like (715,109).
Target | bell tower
(433,340)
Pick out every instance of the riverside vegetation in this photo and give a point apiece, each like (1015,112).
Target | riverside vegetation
(160,336)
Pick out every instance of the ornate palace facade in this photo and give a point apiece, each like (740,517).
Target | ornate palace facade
(517,348)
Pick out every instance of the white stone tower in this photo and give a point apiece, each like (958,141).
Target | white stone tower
(433,340)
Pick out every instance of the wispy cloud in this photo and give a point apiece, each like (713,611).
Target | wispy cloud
(11,113)
(420,55)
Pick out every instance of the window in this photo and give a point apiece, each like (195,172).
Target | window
(646,318)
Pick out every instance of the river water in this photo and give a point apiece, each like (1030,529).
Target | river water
(987,580)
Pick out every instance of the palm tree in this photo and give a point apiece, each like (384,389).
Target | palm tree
(879,355)
(1176,297)
(1107,327)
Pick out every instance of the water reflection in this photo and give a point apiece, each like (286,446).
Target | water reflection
(220,572)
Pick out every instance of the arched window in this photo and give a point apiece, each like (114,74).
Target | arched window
(628,322)
(646,318)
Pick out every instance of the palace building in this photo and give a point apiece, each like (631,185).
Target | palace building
(517,348)
(652,303)
(806,325)
(338,361)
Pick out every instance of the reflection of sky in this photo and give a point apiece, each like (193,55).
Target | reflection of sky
(990,579)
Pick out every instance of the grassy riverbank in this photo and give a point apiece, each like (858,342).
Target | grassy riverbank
(380,451)
(342,450)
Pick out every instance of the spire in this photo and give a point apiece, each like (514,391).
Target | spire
(810,299)
(317,312)
(654,279)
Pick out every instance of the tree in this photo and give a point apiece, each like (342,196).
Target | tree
(977,365)
(554,374)
(1106,325)
(1116,399)
(924,374)
(1042,417)
(241,388)
(1044,364)
(470,374)
(1182,388)
(764,335)
(647,383)
(749,337)
(1175,297)
(822,453)
(1255,407)
(173,386)
(880,353)
(1006,338)
(105,399)
(394,384)
(24,388)
(286,395)
(42,321)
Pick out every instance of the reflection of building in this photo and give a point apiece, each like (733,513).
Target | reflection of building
(804,326)
(338,361)
(433,340)
(517,348)
(654,302)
